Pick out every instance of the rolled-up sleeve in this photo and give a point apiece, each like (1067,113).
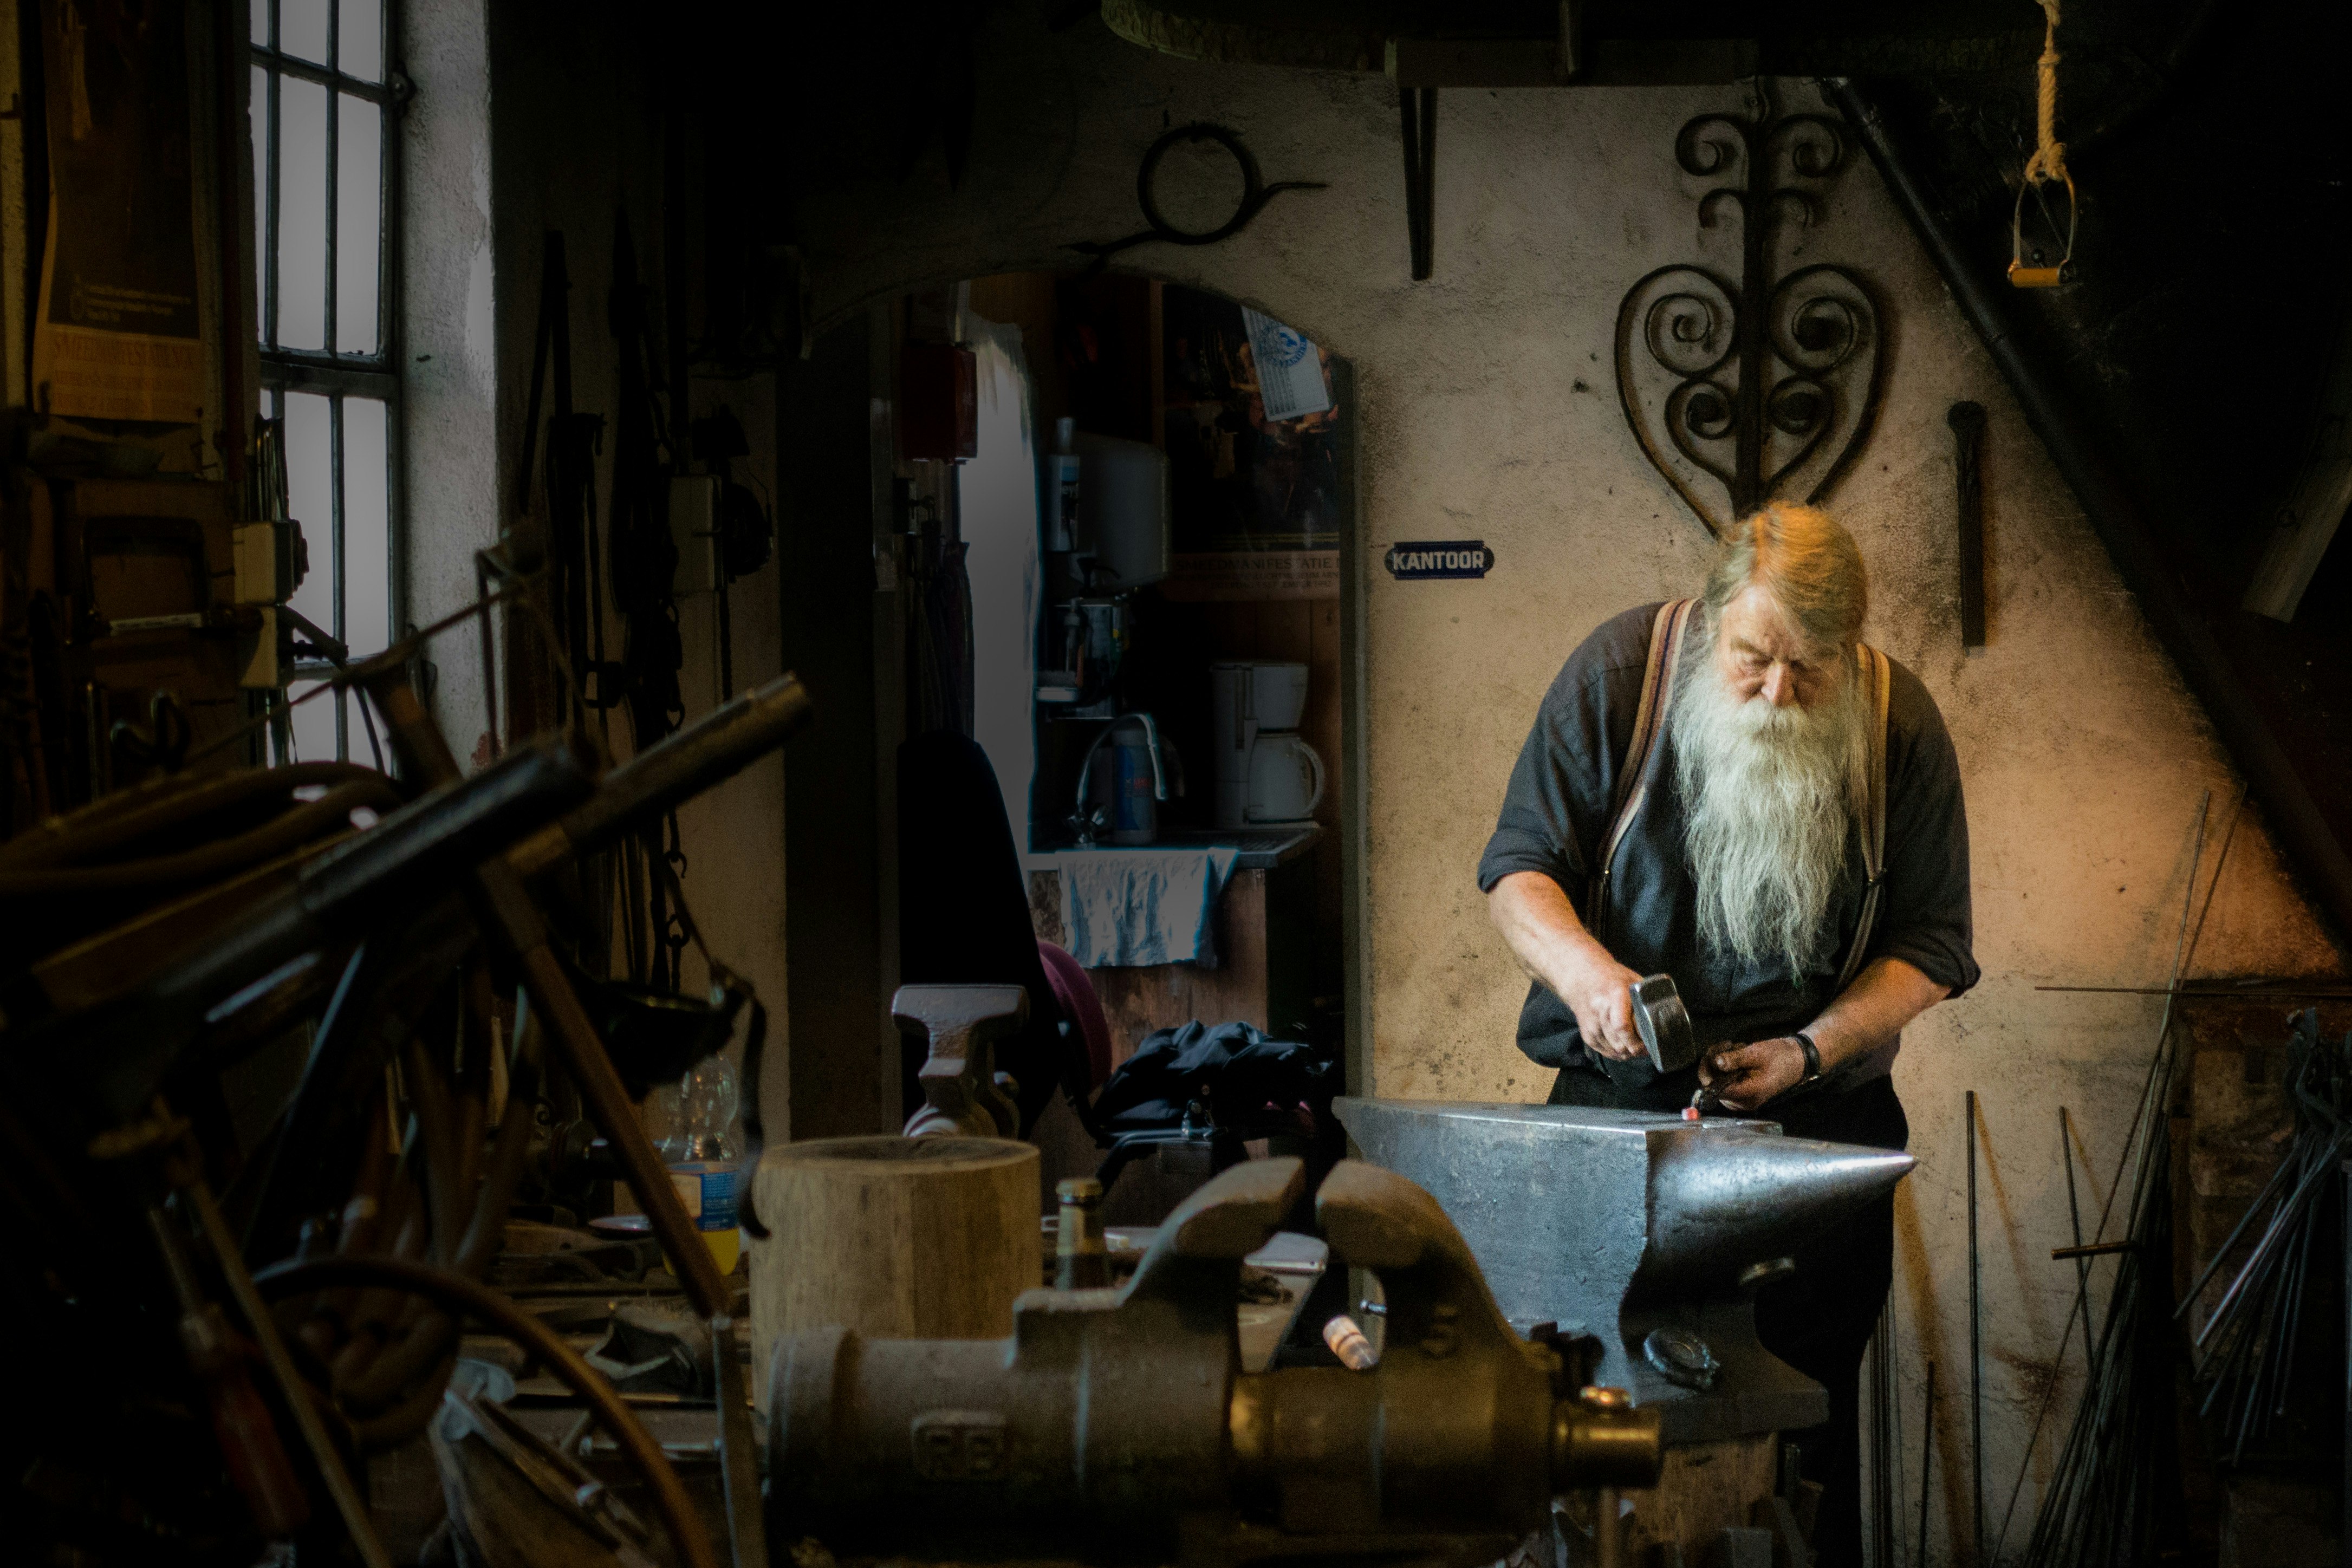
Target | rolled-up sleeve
(1555,808)
(1928,921)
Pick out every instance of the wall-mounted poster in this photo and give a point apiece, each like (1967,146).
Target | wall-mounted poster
(117,335)
(1255,498)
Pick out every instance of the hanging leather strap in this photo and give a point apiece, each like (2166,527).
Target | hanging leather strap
(1636,774)
(1659,673)
(1872,669)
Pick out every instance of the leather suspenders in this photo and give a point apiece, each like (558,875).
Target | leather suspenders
(1634,774)
(1879,685)
(1637,774)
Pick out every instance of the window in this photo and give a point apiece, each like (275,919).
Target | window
(325,108)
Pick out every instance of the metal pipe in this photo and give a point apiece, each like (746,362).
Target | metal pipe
(713,748)
(418,848)
(1608,1530)
(2118,519)
(458,1294)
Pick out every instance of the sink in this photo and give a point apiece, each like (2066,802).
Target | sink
(1261,849)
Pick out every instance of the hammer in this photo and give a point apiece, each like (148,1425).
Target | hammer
(1665,1025)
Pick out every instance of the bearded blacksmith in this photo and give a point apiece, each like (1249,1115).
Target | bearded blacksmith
(1723,829)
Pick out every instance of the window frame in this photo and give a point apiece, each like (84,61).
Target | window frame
(328,371)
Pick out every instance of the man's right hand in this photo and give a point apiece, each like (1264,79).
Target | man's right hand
(1552,944)
(1600,991)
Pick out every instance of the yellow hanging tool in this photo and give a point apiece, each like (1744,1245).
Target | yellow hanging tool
(2046,167)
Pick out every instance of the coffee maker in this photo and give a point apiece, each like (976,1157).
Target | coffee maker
(1266,775)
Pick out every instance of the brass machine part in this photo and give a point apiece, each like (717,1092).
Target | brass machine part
(1118,1420)
(1081,1254)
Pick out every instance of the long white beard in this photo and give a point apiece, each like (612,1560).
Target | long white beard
(1767,795)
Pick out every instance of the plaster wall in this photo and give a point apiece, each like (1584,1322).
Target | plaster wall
(1488,410)
(449,375)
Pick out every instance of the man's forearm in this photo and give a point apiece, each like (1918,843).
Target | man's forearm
(1887,995)
(1552,944)
(1542,930)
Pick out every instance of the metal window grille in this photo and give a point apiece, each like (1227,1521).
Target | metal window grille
(325,109)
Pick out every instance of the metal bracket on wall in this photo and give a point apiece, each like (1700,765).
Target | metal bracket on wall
(1256,193)
(1750,384)
(1417,111)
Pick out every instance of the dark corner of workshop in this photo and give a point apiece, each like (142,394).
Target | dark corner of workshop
(1508,784)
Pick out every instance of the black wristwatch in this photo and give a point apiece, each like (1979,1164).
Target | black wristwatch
(1812,1057)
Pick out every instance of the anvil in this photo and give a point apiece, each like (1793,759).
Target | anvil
(1649,1232)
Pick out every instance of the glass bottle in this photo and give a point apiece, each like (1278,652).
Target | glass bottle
(703,1152)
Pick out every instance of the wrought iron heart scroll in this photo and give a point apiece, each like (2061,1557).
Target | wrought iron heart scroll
(1762,387)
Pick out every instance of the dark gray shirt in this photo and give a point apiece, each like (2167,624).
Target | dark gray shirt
(1557,811)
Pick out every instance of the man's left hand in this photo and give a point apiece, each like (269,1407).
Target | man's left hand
(1744,1077)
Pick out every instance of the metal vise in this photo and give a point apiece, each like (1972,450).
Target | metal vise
(1646,1231)
(964,1094)
(1117,1424)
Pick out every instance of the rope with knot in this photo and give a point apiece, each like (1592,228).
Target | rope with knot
(2049,160)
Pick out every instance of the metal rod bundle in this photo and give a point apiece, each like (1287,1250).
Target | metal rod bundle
(2104,1501)
(1885,1441)
(2246,1352)
(2112,1492)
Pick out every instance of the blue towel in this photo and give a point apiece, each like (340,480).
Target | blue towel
(1126,908)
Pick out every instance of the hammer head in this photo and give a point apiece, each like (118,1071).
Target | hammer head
(1665,1025)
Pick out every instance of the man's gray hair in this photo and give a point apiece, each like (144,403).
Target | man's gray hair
(1806,561)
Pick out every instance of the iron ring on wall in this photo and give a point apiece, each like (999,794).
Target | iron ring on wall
(1255,193)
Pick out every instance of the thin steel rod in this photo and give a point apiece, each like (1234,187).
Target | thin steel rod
(2346,1204)
(1927,1446)
(2207,988)
(2074,1217)
(1975,1343)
